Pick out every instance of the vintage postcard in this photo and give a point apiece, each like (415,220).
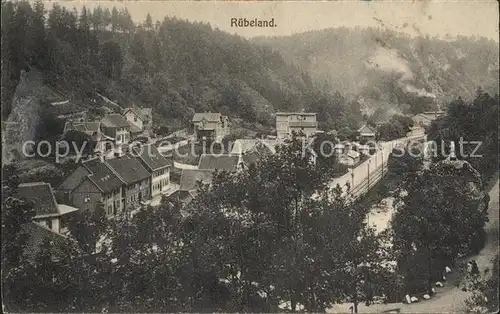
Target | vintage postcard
(250,156)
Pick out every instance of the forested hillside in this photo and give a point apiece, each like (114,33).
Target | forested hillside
(385,68)
(174,66)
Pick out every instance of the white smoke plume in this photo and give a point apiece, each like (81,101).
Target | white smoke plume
(420,92)
(388,60)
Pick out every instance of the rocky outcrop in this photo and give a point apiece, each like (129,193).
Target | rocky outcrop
(24,119)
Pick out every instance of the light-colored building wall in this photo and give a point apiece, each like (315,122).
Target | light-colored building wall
(56,226)
(122,136)
(137,192)
(159,181)
(132,117)
(287,123)
(113,202)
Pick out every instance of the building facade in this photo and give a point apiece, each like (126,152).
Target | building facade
(92,129)
(91,185)
(136,180)
(158,167)
(299,122)
(425,119)
(210,126)
(134,117)
(366,133)
(116,127)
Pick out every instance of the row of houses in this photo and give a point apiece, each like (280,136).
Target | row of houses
(120,184)
(244,153)
(117,129)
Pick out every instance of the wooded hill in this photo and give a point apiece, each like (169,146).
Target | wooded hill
(393,69)
(174,66)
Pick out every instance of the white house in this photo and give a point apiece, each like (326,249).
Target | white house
(298,122)
(134,117)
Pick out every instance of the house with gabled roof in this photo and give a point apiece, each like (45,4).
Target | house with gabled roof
(157,165)
(140,119)
(92,184)
(190,178)
(425,119)
(136,179)
(48,212)
(366,133)
(92,129)
(251,154)
(210,126)
(219,162)
(116,127)
(181,198)
(288,123)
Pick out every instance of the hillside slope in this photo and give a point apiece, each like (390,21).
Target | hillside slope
(174,66)
(385,67)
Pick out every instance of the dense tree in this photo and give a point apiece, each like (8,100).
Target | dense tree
(77,51)
(397,127)
(474,129)
(112,60)
(88,227)
(441,215)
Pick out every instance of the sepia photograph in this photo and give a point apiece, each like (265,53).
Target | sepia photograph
(250,156)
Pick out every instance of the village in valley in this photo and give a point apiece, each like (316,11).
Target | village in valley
(146,172)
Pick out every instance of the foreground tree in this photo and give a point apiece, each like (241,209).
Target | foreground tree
(271,243)
(473,126)
(440,215)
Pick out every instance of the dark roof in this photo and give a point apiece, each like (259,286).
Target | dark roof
(151,157)
(295,113)
(190,178)
(128,168)
(86,127)
(221,162)
(101,175)
(40,193)
(180,196)
(208,116)
(74,179)
(115,121)
(429,115)
(37,234)
(262,149)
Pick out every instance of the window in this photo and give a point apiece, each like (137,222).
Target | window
(86,198)
(109,210)
(135,119)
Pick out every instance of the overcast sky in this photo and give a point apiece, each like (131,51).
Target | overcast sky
(435,18)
